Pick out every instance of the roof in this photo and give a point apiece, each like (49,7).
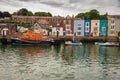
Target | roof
(3,24)
(113,15)
(45,22)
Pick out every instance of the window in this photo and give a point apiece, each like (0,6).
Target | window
(95,29)
(78,33)
(79,25)
(112,27)
(112,21)
(103,28)
(36,24)
(68,32)
(79,28)
(112,32)
(87,29)
(95,33)
(87,23)
(57,29)
(95,23)
(68,27)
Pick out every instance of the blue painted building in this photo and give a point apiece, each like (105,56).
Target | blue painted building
(78,27)
(103,28)
(87,27)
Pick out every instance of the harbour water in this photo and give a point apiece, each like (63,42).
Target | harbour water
(86,62)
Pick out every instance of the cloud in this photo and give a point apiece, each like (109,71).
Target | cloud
(52,4)
(62,7)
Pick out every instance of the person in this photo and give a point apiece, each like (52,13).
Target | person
(57,34)
(64,34)
(74,34)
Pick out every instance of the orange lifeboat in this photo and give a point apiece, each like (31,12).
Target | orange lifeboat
(30,35)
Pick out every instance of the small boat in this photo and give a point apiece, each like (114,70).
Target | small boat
(97,43)
(31,38)
(73,43)
(109,44)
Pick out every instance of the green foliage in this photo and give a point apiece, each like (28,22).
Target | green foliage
(1,15)
(14,13)
(42,14)
(4,14)
(30,13)
(2,21)
(94,14)
(103,17)
(49,14)
(25,25)
(91,15)
(25,12)
(80,15)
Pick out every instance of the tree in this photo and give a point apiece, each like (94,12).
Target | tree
(80,15)
(1,15)
(14,13)
(42,14)
(23,12)
(87,16)
(30,13)
(92,14)
(49,14)
(6,14)
(103,17)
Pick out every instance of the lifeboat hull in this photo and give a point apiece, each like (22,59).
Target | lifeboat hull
(30,42)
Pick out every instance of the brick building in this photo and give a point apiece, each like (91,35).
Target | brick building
(7,29)
(67,23)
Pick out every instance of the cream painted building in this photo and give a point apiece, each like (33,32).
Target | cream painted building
(95,24)
(113,25)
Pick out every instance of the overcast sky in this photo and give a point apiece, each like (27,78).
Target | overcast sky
(62,7)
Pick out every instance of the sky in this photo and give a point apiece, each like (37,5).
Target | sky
(62,7)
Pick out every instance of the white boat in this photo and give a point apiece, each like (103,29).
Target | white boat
(73,43)
(109,44)
(97,43)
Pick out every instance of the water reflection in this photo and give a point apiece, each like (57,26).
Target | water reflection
(59,62)
(103,55)
(67,54)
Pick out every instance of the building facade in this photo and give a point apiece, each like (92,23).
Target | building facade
(103,28)
(57,31)
(87,27)
(78,27)
(113,25)
(68,26)
(40,28)
(7,29)
(95,27)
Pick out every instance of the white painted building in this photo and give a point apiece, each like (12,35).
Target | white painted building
(68,30)
(4,31)
(59,29)
(39,28)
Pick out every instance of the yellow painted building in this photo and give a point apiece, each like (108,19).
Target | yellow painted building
(113,25)
(95,24)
